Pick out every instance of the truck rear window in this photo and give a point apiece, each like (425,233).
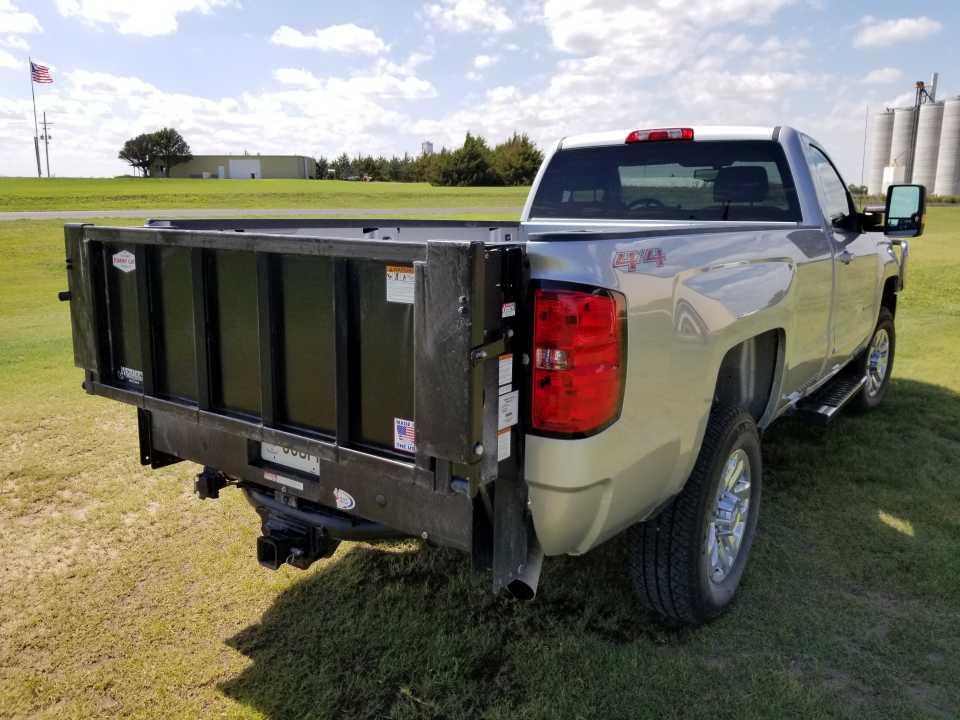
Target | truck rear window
(713,180)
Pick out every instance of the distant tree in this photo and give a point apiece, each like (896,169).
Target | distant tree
(341,167)
(517,160)
(139,152)
(468,165)
(169,149)
(857,189)
(322,165)
(436,167)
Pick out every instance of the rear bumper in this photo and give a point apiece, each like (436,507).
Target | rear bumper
(583,492)
(408,499)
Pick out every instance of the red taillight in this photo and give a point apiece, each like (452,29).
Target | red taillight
(660,134)
(578,347)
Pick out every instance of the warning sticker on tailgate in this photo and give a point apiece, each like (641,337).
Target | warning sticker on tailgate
(400,284)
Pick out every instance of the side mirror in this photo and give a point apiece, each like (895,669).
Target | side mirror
(906,205)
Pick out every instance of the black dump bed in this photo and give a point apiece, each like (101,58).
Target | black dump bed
(374,349)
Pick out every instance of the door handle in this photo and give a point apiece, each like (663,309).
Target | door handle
(845,257)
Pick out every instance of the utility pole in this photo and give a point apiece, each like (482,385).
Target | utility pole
(46,141)
(36,133)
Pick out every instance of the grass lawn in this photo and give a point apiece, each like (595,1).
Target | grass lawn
(122,595)
(157,193)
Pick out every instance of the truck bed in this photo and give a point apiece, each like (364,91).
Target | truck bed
(367,348)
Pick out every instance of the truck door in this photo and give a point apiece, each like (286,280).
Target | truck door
(854,257)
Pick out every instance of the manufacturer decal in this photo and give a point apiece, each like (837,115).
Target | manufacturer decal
(130,375)
(283,480)
(400,284)
(503,444)
(631,260)
(124,261)
(344,499)
(505,369)
(404,435)
(508,310)
(508,409)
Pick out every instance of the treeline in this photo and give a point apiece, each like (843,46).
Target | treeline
(513,162)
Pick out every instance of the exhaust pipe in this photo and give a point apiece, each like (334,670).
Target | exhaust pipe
(524,585)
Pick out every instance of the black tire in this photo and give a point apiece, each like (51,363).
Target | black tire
(869,397)
(668,561)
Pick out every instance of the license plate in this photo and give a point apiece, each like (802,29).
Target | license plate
(279,455)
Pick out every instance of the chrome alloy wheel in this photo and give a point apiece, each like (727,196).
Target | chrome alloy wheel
(878,359)
(729,521)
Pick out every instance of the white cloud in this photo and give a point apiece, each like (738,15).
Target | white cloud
(348,38)
(878,33)
(599,27)
(657,63)
(481,62)
(15,41)
(464,15)
(152,17)
(9,61)
(882,76)
(14,20)
(381,83)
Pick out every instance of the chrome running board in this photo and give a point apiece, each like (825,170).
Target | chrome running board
(823,405)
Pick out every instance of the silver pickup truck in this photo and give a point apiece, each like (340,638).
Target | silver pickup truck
(513,390)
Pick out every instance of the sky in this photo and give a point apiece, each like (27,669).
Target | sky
(320,78)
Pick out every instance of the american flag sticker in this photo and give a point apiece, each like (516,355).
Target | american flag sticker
(404,435)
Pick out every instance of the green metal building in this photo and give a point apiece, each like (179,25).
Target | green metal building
(245,167)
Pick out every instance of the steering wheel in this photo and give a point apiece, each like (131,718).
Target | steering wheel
(651,203)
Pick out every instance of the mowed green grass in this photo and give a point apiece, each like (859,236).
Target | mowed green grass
(157,193)
(122,595)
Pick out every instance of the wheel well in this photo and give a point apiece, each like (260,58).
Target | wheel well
(889,298)
(747,373)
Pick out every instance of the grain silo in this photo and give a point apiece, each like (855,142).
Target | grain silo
(881,133)
(901,144)
(926,149)
(948,160)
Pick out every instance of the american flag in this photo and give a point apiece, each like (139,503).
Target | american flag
(40,73)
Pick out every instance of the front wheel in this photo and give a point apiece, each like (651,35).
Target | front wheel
(687,562)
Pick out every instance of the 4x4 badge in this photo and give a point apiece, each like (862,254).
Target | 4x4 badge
(630,260)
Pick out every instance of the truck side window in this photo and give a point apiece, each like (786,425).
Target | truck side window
(836,202)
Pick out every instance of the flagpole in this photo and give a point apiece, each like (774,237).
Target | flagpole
(36,131)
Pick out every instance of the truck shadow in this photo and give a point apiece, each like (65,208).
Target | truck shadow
(378,631)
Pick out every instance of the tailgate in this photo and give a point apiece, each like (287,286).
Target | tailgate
(371,358)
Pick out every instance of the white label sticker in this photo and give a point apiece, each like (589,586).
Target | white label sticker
(130,375)
(508,310)
(295,459)
(282,480)
(404,435)
(503,444)
(344,499)
(507,409)
(400,284)
(505,366)
(124,261)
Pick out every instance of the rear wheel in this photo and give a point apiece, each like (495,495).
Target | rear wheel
(876,363)
(686,563)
